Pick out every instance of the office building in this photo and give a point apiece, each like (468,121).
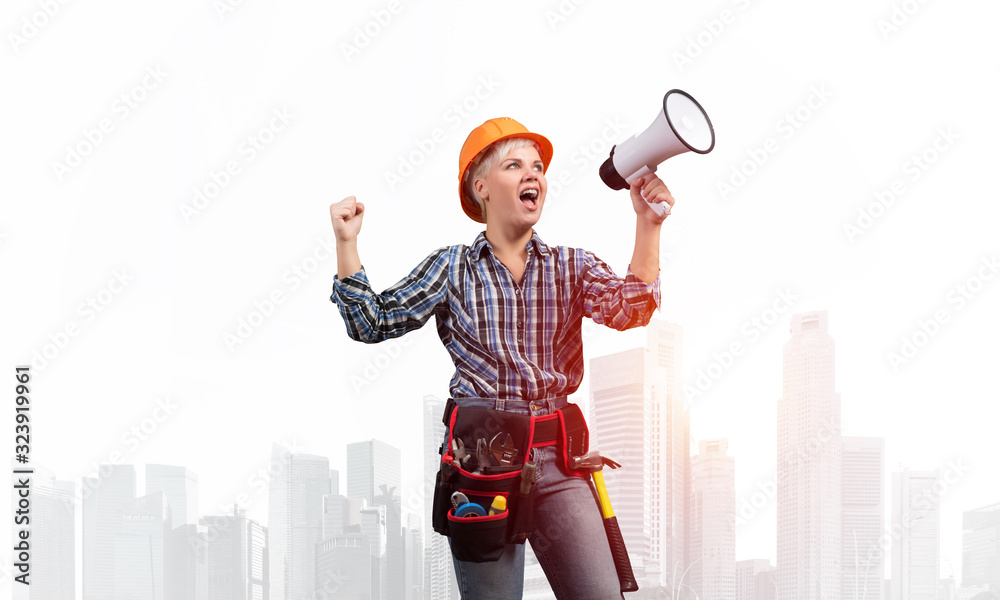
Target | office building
(809,465)
(712,570)
(140,549)
(638,418)
(981,547)
(439,573)
(916,544)
(53,540)
(862,525)
(180,486)
(105,499)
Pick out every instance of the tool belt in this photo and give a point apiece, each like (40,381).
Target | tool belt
(487,453)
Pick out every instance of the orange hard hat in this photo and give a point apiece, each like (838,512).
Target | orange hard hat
(480,139)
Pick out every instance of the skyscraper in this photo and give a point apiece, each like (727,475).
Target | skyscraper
(413,560)
(295,521)
(713,522)
(862,522)
(621,426)
(343,567)
(370,465)
(439,575)
(373,528)
(755,579)
(373,473)
(180,486)
(809,465)
(638,418)
(277,520)
(235,556)
(981,547)
(53,553)
(916,546)
(308,481)
(343,560)
(141,549)
(186,572)
(105,498)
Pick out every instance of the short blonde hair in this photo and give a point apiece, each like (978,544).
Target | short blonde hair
(482,164)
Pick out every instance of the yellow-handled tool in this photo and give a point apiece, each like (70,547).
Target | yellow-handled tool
(594,462)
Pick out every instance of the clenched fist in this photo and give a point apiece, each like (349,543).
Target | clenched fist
(346,216)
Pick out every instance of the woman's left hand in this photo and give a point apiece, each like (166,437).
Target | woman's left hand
(649,189)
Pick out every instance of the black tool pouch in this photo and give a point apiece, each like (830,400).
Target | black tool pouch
(482,539)
(574,437)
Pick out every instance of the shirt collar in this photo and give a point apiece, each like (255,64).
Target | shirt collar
(482,243)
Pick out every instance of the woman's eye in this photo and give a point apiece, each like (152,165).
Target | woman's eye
(511,165)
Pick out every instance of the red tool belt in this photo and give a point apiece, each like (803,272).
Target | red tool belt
(504,468)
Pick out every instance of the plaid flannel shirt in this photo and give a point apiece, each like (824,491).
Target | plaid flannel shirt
(509,340)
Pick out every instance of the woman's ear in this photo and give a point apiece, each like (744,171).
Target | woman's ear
(481,190)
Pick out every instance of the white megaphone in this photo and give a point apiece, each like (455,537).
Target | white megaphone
(681,126)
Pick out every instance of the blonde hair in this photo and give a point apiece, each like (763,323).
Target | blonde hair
(481,165)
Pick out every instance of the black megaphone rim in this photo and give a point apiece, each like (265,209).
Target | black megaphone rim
(680,137)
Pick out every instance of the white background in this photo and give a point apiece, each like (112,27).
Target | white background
(879,93)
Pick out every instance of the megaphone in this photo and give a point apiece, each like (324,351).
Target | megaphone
(681,126)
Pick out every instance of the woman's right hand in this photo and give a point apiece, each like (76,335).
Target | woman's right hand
(346,216)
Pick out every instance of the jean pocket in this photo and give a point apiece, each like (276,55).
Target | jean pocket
(478,539)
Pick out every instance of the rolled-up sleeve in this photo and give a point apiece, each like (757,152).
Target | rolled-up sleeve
(613,301)
(405,306)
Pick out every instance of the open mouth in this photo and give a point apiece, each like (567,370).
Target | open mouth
(529,198)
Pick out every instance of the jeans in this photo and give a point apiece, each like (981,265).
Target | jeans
(567,534)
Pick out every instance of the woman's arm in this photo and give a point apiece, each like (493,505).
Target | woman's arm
(646,256)
(405,306)
(347,216)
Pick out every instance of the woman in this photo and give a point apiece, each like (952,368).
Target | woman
(509,311)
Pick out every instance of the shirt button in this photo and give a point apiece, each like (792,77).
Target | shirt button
(519,324)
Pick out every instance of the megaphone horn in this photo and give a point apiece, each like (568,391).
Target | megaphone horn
(682,126)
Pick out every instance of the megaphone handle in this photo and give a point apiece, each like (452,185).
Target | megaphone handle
(660,208)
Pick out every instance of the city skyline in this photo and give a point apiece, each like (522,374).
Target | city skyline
(866,475)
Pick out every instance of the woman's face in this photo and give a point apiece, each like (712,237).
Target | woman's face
(515,188)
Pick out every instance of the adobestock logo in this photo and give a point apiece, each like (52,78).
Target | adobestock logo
(955,300)
(454,116)
(787,126)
